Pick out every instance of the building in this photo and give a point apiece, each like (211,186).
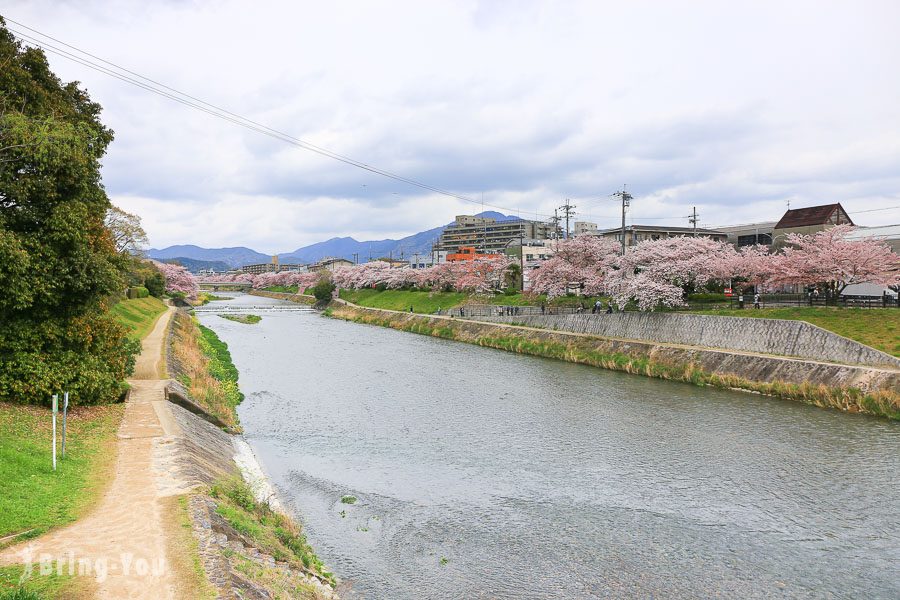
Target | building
(530,254)
(469,253)
(889,234)
(749,234)
(808,221)
(424,261)
(270,267)
(487,235)
(330,264)
(585,228)
(634,234)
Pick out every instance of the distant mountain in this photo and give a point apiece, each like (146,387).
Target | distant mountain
(345,247)
(341,247)
(195,266)
(233,257)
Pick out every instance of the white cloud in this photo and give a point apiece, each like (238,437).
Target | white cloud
(732,107)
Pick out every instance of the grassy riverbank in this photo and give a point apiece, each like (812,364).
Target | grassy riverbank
(35,497)
(202,364)
(630,358)
(139,315)
(875,327)
(246,319)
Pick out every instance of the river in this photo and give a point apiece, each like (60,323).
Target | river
(486,474)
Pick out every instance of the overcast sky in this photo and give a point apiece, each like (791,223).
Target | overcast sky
(733,107)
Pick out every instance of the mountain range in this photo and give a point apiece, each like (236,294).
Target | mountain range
(340,247)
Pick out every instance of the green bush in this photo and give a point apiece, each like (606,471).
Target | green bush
(137,292)
(156,284)
(324,289)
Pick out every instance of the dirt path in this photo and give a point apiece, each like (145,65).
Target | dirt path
(124,539)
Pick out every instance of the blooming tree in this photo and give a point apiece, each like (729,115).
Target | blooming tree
(585,260)
(832,260)
(657,272)
(178,279)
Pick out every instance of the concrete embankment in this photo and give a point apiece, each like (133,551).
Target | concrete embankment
(298,298)
(850,387)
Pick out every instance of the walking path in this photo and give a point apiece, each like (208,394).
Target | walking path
(125,538)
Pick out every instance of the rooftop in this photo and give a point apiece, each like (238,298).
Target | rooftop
(811,215)
(691,230)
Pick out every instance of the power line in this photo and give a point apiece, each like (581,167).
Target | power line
(185,99)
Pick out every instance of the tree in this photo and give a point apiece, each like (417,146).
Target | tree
(59,269)
(179,281)
(833,261)
(127,234)
(659,272)
(586,261)
(324,289)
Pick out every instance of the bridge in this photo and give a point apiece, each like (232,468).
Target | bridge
(215,286)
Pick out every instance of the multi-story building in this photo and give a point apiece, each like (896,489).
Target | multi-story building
(270,267)
(585,227)
(634,234)
(487,235)
(469,253)
(330,264)
(530,254)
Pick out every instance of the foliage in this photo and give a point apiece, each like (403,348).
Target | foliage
(137,292)
(127,234)
(179,281)
(58,261)
(272,532)
(585,261)
(36,497)
(246,319)
(197,364)
(155,284)
(324,289)
(832,261)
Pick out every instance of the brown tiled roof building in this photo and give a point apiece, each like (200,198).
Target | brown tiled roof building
(810,220)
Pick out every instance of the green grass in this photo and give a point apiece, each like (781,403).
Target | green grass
(220,365)
(875,327)
(41,587)
(422,302)
(139,315)
(246,319)
(36,497)
(272,532)
(284,289)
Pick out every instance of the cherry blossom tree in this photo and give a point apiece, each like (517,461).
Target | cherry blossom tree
(178,279)
(657,272)
(831,260)
(585,260)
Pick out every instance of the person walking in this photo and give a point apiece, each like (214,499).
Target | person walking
(543,308)
(756,300)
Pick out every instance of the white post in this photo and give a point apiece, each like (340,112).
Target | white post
(55,409)
(65,413)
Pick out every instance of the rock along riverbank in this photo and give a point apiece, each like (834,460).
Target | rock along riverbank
(848,387)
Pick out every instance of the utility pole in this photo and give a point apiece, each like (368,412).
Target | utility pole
(626,202)
(356,257)
(692,219)
(568,211)
(554,222)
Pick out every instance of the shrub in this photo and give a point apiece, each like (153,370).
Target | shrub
(156,284)
(324,289)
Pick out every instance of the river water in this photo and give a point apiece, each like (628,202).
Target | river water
(486,474)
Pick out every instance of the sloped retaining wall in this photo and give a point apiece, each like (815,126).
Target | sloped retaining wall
(763,336)
(848,387)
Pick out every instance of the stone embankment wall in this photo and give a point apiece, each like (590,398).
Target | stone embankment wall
(856,388)
(761,336)
(298,298)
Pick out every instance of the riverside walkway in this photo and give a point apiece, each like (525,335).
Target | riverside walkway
(125,541)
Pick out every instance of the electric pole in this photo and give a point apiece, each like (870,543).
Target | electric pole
(554,222)
(626,202)
(568,211)
(692,219)
(356,257)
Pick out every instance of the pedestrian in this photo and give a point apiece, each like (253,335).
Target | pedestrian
(609,308)
(598,306)
(410,308)
(543,308)
(756,300)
